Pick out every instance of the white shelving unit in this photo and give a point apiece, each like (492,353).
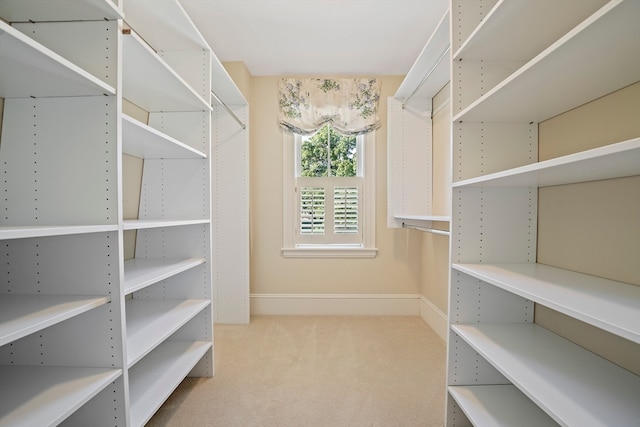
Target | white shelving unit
(85,334)
(504,369)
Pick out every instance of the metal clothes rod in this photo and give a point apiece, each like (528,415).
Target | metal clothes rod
(427,230)
(424,80)
(228,110)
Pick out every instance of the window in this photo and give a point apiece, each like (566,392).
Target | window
(329,192)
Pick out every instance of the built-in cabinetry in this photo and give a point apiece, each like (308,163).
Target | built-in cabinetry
(514,65)
(87,337)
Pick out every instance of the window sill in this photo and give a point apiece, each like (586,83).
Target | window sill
(329,251)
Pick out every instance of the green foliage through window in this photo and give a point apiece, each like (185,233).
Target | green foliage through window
(328,153)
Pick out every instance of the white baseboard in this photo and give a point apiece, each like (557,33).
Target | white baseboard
(336,304)
(434,317)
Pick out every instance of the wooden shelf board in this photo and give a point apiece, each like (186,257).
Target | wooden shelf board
(499,406)
(36,71)
(141,140)
(611,161)
(22,232)
(58,10)
(150,83)
(152,321)
(21,315)
(161,371)
(571,384)
(576,75)
(607,304)
(46,395)
(139,224)
(140,272)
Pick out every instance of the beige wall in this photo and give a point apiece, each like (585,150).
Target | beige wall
(592,227)
(396,268)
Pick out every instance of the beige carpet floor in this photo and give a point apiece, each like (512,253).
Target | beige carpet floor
(316,371)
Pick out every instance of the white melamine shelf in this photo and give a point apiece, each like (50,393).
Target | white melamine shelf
(23,232)
(576,75)
(607,162)
(151,84)
(438,218)
(607,304)
(21,315)
(58,10)
(499,406)
(151,321)
(139,224)
(141,140)
(161,371)
(46,395)
(141,272)
(522,20)
(571,384)
(36,71)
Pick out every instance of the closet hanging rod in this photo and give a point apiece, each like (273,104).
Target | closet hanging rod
(427,230)
(425,78)
(219,101)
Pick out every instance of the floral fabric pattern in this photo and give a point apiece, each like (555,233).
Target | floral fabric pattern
(350,105)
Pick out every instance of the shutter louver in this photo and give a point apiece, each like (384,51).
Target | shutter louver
(312,210)
(345,210)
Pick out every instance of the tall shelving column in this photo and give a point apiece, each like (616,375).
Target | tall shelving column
(504,369)
(61,310)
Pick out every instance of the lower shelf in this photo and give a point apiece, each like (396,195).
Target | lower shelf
(499,406)
(161,371)
(574,386)
(46,395)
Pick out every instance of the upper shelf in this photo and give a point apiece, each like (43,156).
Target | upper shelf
(8,232)
(430,72)
(584,66)
(143,141)
(610,161)
(58,10)
(31,70)
(151,84)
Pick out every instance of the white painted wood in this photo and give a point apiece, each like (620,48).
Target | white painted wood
(45,396)
(161,371)
(434,317)
(574,386)
(59,10)
(134,224)
(499,406)
(143,141)
(22,232)
(37,71)
(151,322)
(606,304)
(611,161)
(335,304)
(21,315)
(141,272)
(570,61)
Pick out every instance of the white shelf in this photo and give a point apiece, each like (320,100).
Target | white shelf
(21,315)
(140,272)
(437,218)
(135,224)
(611,161)
(161,371)
(36,71)
(576,75)
(45,396)
(607,304)
(499,406)
(58,10)
(23,232)
(522,20)
(141,140)
(574,386)
(151,321)
(151,84)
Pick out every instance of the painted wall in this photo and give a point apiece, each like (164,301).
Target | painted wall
(396,268)
(576,222)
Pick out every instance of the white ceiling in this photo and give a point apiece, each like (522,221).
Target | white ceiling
(318,37)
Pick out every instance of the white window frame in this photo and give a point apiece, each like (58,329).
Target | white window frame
(293,247)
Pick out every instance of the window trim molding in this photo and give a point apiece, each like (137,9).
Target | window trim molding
(289,222)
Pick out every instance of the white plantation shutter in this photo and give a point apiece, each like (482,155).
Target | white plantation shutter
(312,209)
(345,209)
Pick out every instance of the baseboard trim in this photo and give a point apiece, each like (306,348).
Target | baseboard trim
(336,304)
(434,317)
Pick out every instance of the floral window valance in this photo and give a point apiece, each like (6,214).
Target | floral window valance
(349,105)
